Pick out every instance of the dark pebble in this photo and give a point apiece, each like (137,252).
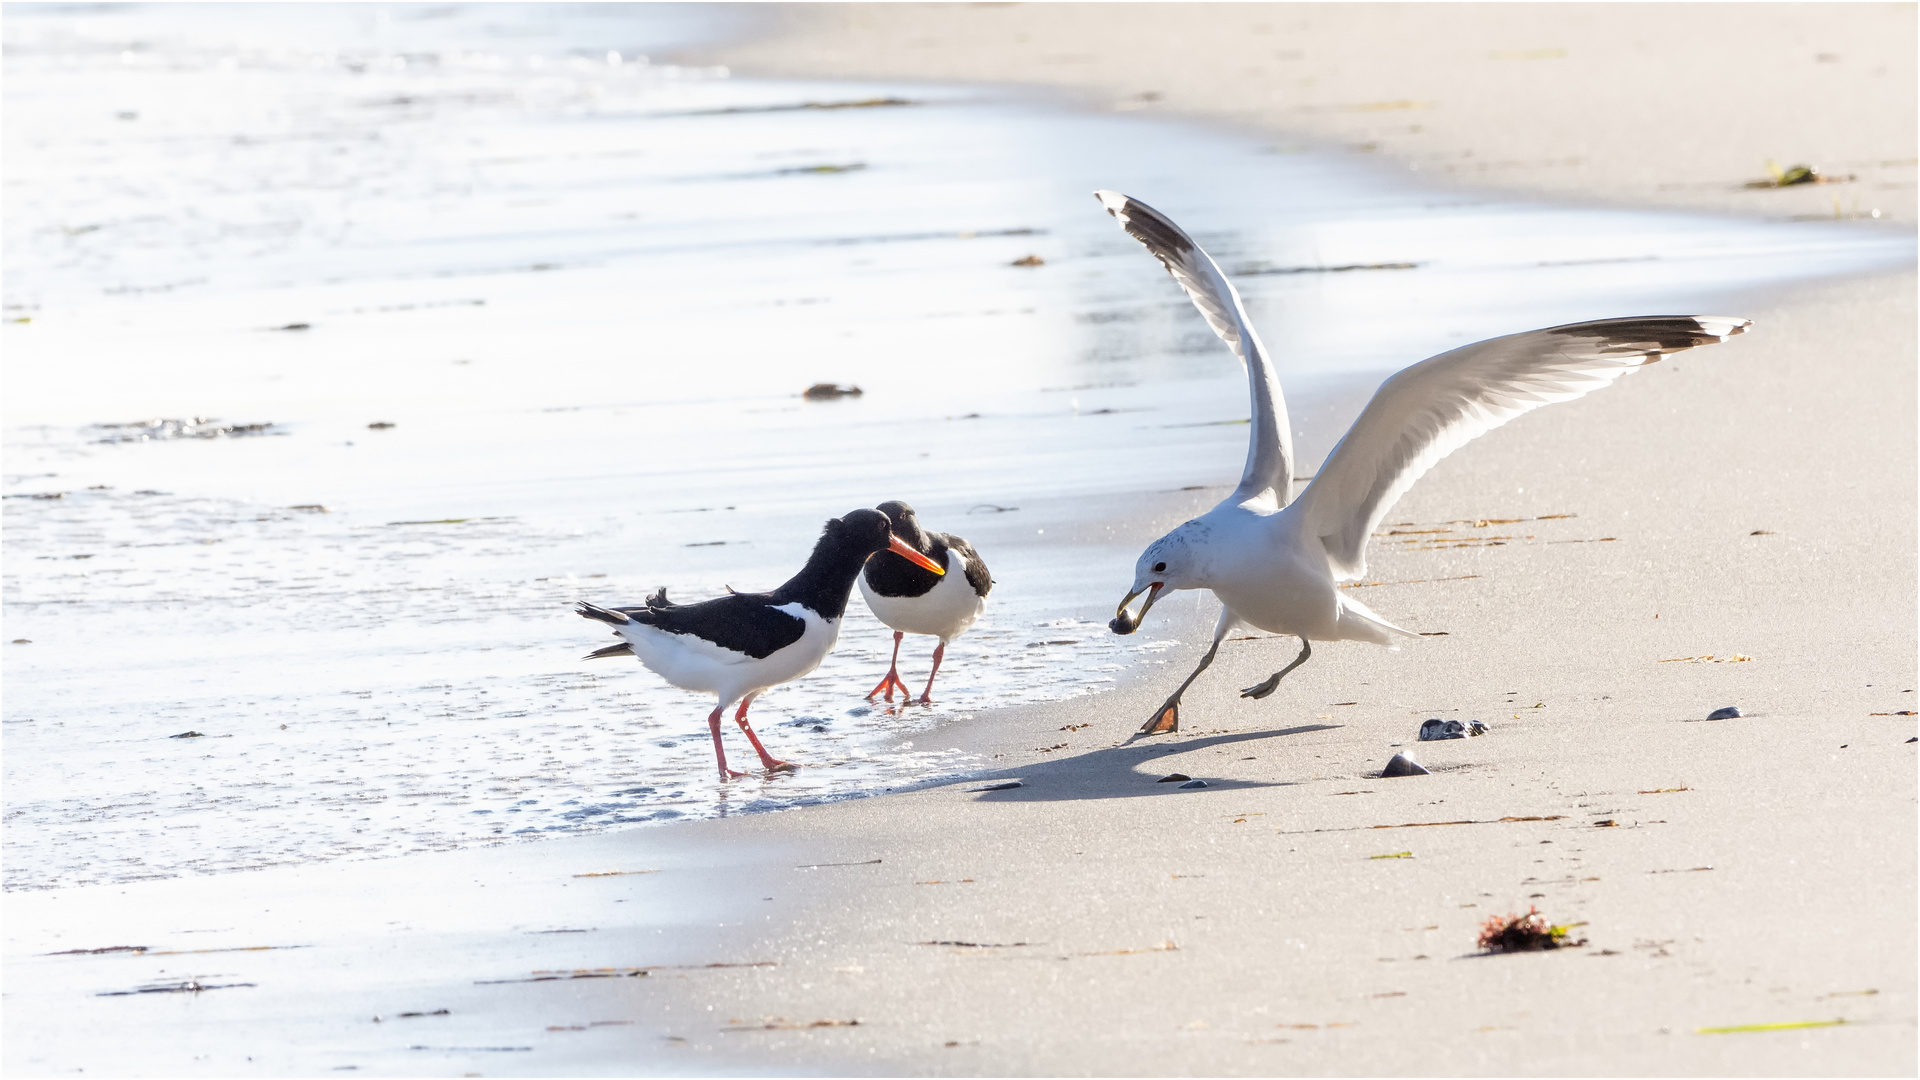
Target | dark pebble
(1171,777)
(1008,786)
(1123,623)
(1402,765)
(1728,713)
(187,735)
(1194,783)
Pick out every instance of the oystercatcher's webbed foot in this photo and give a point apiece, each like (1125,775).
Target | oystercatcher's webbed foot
(892,682)
(888,685)
(1273,681)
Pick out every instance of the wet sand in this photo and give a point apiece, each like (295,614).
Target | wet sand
(1743,534)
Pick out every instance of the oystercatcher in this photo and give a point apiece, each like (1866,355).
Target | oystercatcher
(738,645)
(1276,562)
(912,600)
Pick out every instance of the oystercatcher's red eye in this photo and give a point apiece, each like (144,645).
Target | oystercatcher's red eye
(1159,567)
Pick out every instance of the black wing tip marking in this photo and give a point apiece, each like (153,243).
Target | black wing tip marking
(1655,336)
(622,649)
(1149,226)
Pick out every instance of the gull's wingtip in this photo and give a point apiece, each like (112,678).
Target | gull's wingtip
(1112,201)
(1723,326)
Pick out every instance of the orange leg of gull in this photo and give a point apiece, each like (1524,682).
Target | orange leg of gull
(767,761)
(892,681)
(926,696)
(719,751)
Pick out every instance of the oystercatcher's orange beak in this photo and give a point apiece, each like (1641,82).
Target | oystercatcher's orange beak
(899,547)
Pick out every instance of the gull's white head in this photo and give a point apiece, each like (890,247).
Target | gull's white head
(1169,564)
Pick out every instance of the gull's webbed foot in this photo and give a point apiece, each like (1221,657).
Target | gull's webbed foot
(1262,690)
(1166,720)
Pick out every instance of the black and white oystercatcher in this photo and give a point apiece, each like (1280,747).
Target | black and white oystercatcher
(912,600)
(1277,562)
(738,645)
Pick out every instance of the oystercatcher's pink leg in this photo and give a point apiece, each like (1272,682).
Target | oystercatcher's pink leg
(767,761)
(926,696)
(713,724)
(892,681)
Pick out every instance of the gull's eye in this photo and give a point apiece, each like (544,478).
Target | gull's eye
(1159,567)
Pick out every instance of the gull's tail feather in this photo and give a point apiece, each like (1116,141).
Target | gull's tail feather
(1359,623)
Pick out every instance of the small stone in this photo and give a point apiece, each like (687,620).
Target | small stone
(1123,623)
(1194,783)
(187,735)
(1030,260)
(1171,777)
(1402,765)
(1728,713)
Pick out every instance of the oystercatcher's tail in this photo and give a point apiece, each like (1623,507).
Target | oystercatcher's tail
(594,611)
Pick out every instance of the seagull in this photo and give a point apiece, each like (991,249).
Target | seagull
(736,646)
(913,601)
(1276,562)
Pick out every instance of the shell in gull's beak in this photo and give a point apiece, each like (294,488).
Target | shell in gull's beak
(1125,622)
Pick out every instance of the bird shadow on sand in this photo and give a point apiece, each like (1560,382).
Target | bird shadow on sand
(1124,772)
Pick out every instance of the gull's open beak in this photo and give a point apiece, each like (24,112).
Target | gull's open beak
(1125,623)
(899,547)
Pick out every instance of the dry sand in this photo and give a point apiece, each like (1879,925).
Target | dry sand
(1674,105)
(1753,503)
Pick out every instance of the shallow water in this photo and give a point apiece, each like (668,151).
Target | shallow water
(587,293)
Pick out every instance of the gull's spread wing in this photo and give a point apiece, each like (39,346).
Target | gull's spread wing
(1270,443)
(1427,411)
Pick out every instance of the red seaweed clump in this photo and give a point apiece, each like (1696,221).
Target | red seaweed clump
(1525,933)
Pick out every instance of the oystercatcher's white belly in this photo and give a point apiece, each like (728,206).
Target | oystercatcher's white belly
(691,662)
(944,611)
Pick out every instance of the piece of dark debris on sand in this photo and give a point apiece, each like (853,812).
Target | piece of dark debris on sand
(826,391)
(1526,933)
